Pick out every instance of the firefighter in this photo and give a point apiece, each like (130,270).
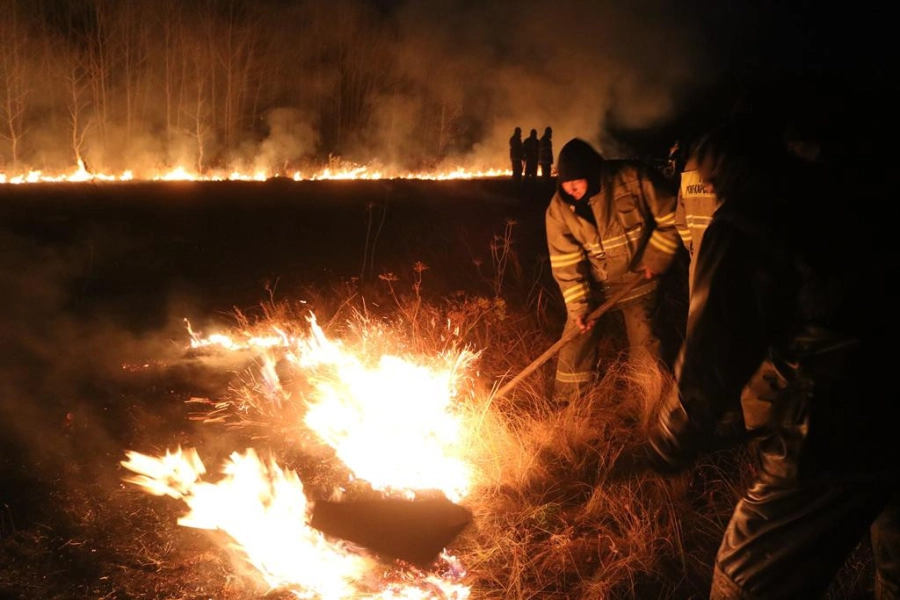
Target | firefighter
(516,154)
(790,320)
(545,153)
(531,147)
(609,221)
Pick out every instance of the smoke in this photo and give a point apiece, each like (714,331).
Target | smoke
(573,66)
(44,348)
(68,404)
(290,138)
(270,85)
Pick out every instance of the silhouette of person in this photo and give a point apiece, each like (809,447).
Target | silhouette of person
(531,145)
(545,153)
(516,154)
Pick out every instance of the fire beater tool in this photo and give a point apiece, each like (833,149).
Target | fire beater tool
(415,531)
(566,337)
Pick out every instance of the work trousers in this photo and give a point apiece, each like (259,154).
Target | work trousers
(577,362)
(789,540)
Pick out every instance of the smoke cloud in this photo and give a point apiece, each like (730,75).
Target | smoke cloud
(276,84)
(74,380)
(283,85)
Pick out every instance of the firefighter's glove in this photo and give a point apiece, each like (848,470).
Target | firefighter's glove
(584,324)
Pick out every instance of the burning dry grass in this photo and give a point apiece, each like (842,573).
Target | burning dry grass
(547,521)
(554,526)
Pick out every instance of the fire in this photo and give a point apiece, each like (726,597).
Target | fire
(339,171)
(393,422)
(265,512)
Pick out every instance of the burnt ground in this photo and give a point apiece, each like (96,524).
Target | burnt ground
(97,279)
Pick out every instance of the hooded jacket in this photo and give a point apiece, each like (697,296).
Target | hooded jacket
(625,221)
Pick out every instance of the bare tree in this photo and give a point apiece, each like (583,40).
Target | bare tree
(98,64)
(198,113)
(78,85)
(365,67)
(350,62)
(173,72)
(131,46)
(448,126)
(211,68)
(14,83)
(233,50)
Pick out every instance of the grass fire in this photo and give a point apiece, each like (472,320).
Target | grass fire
(336,169)
(288,389)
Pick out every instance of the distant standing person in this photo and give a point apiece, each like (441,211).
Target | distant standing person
(531,146)
(545,153)
(516,154)
(608,222)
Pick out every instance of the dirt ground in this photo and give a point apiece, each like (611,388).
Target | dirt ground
(97,281)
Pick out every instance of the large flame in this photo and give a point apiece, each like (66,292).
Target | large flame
(266,514)
(394,422)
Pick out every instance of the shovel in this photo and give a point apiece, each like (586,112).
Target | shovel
(415,531)
(566,337)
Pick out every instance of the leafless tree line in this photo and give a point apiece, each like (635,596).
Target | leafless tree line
(210,83)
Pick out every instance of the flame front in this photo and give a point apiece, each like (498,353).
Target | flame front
(392,422)
(181,173)
(265,512)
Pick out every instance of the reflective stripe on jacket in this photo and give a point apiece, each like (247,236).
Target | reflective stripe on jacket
(696,205)
(698,202)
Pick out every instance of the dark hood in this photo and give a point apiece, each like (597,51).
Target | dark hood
(578,160)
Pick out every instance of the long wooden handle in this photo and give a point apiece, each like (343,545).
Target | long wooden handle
(566,337)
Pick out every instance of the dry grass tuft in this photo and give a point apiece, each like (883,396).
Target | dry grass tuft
(548,524)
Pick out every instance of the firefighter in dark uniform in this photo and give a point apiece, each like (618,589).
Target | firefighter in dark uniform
(532,148)
(545,153)
(516,154)
(791,320)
